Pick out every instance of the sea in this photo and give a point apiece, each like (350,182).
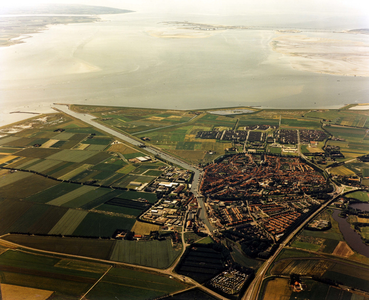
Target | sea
(144,59)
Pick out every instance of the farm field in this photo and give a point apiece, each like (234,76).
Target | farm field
(42,272)
(340,117)
(195,293)
(341,170)
(139,285)
(16,292)
(276,289)
(95,248)
(38,276)
(90,207)
(102,225)
(155,254)
(353,144)
(324,268)
(360,195)
(144,228)
(71,151)
(313,290)
(27,185)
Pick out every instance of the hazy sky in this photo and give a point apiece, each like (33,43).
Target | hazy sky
(223,7)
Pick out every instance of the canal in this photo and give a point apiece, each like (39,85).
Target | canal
(352,238)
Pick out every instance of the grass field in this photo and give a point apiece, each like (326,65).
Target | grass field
(69,222)
(74,172)
(155,254)
(102,225)
(10,212)
(95,248)
(10,178)
(53,192)
(289,253)
(120,210)
(341,170)
(44,165)
(30,217)
(329,246)
(364,232)
(139,285)
(300,123)
(144,228)
(71,195)
(306,246)
(41,272)
(72,155)
(276,289)
(360,195)
(26,187)
(87,198)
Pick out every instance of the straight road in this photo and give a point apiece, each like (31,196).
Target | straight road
(153,150)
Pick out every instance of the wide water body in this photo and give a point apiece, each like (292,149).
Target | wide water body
(135,60)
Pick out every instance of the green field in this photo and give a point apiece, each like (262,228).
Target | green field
(96,248)
(101,199)
(69,222)
(328,234)
(26,187)
(73,155)
(120,210)
(359,195)
(46,221)
(329,246)
(65,198)
(306,246)
(53,192)
(14,177)
(299,123)
(155,254)
(139,285)
(30,217)
(290,253)
(11,211)
(364,232)
(87,198)
(102,225)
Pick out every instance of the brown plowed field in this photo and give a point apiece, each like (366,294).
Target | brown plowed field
(343,250)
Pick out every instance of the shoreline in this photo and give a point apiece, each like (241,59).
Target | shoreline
(15,116)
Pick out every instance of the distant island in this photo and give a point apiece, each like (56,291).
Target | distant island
(35,19)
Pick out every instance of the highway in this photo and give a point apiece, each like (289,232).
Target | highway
(253,291)
(151,149)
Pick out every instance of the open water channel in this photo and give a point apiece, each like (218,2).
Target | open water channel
(352,238)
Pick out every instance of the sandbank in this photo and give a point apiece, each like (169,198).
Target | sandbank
(179,34)
(323,55)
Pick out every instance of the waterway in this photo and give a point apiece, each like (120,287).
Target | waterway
(352,238)
(139,59)
(361,206)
